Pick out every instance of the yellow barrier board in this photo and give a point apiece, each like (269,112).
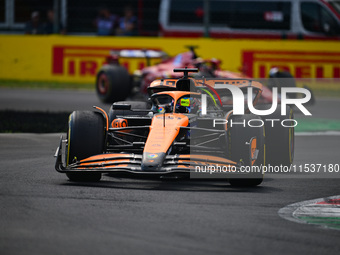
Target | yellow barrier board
(77,59)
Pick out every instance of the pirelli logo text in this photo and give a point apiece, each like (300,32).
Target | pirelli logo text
(84,61)
(302,64)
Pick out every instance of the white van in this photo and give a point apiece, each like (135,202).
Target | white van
(285,19)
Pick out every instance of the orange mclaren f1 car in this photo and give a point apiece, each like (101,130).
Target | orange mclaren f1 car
(190,131)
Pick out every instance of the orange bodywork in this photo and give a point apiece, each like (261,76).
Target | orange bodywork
(105,115)
(163,131)
(106,156)
(253,147)
(178,94)
(118,123)
(214,84)
(165,127)
(211,82)
(162,136)
(119,160)
(167,82)
(206,158)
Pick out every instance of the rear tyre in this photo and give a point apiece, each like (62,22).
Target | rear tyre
(113,83)
(312,99)
(86,136)
(279,139)
(282,79)
(238,150)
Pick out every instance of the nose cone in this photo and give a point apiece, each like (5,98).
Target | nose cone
(152,162)
(163,131)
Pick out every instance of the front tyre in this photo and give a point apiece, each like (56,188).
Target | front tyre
(86,137)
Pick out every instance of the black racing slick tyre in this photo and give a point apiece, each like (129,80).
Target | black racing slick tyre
(282,79)
(113,83)
(238,138)
(279,136)
(86,137)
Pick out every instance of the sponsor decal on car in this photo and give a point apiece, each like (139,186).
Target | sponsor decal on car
(152,156)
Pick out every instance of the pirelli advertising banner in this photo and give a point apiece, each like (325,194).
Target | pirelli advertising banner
(77,59)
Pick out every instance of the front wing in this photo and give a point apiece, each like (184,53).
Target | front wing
(130,162)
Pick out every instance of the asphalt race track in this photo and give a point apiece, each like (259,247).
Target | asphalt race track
(44,213)
(71,100)
(48,100)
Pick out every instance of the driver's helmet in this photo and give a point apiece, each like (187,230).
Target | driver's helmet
(187,105)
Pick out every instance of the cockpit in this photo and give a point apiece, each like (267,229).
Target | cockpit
(179,102)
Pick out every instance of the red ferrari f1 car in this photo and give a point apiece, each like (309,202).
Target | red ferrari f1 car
(187,132)
(114,83)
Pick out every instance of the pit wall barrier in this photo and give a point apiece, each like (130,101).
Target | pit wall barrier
(77,59)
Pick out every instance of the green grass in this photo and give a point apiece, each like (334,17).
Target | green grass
(331,222)
(314,125)
(45,85)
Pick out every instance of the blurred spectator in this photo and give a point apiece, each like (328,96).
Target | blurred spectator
(106,22)
(128,23)
(49,25)
(34,26)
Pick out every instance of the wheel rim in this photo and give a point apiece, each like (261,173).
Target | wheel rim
(103,84)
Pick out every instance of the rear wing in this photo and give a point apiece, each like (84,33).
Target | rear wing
(136,58)
(216,83)
(219,82)
(140,53)
(225,95)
